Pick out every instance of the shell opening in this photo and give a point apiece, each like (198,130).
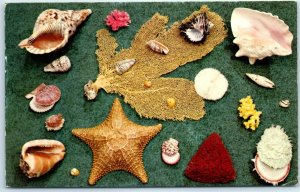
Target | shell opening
(48,40)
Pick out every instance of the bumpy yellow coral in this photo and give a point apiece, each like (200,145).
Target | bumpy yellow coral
(246,110)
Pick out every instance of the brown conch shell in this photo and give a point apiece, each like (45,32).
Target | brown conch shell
(52,30)
(260,34)
(39,156)
(54,122)
(61,64)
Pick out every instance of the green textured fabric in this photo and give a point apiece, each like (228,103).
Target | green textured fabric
(24,71)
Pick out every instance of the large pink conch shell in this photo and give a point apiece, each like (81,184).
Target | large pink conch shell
(39,156)
(259,34)
(52,30)
(44,97)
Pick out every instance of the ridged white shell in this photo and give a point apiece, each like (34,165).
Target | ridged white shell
(259,34)
(52,30)
(61,64)
(124,65)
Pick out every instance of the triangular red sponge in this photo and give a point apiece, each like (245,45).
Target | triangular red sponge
(211,163)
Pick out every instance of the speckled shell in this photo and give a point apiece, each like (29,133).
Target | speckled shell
(124,65)
(61,64)
(52,30)
(39,156)
(158,47)
(259,34)
(170,152)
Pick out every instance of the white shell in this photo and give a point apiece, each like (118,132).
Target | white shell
(158,47)
(259,34)
(52,30)
(284,103)
(261,80)
(90,91)
(268,174)
(124,65)
(211,84)
(275,148)
(170,152)
(61,64)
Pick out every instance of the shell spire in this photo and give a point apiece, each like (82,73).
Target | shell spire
(52,30)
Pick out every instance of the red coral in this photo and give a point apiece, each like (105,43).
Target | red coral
(117,19)
(211,163)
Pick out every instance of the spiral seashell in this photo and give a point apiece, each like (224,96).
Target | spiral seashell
(52,30)
(158,47)
(40,156)
(170,151)
(61,64)
(124,65)
(54,122)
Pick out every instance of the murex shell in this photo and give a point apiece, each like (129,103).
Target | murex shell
(39,156)
(52,30)
(61,64)
(259,34)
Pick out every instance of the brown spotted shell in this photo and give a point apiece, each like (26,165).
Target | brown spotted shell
(40,156)
(54,122)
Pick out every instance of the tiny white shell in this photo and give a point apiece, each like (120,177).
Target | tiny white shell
(284,103)
(261,80)
(124,65)
(158,47)
(61,64)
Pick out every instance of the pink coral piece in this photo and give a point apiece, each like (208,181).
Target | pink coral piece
(117,19)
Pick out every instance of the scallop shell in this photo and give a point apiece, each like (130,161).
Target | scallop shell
(261,80)
(158,47)
(124,65)
(170,152)
(275,148)
(39,156)
(284,103)
(61,64)
(259,34)
(54,122)
(197,29)
(39,108)
(52,30)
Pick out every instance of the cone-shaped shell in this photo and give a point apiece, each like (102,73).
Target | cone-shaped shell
(52,30)
(259,34)
(61,64)
(39,156)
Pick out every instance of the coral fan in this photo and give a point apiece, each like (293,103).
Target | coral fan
(246,110)
(117,19)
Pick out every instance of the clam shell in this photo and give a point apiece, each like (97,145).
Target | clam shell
(61,64)
(284,103)
(261,80)
(54,122)
(52,30)
(158,47)
(260,34)
(39,156)
(124,65)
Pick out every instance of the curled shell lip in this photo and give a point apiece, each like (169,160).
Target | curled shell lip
(171,160)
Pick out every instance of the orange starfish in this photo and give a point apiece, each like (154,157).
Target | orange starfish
(117,144)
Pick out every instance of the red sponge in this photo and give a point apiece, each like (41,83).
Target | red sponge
(211,163)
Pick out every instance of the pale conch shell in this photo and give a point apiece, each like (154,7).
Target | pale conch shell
(261,80)
(260,34)
(52,30)
(124,65)
(158,47)
(39,156)
(61,64)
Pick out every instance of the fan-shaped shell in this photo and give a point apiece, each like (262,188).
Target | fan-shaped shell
(39,156)
(47,95)
(259,34)
(61,64)
(52,30)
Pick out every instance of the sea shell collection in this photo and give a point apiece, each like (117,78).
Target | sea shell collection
(257,34)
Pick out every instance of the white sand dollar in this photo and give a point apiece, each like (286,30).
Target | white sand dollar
(211,84)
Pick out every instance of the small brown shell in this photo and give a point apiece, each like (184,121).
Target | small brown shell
(39,156)
(54,122)
(124,65)
(61,64)
(158,47)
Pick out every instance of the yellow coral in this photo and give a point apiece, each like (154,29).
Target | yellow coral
(246,110)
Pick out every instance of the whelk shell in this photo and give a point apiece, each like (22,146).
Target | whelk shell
(124,65)
(39,156)
(284,103)
(259,34)
(261,80)
(54,122)
(158,47)
(61,64)
(52,30)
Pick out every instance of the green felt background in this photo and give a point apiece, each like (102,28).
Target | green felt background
(24,72)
